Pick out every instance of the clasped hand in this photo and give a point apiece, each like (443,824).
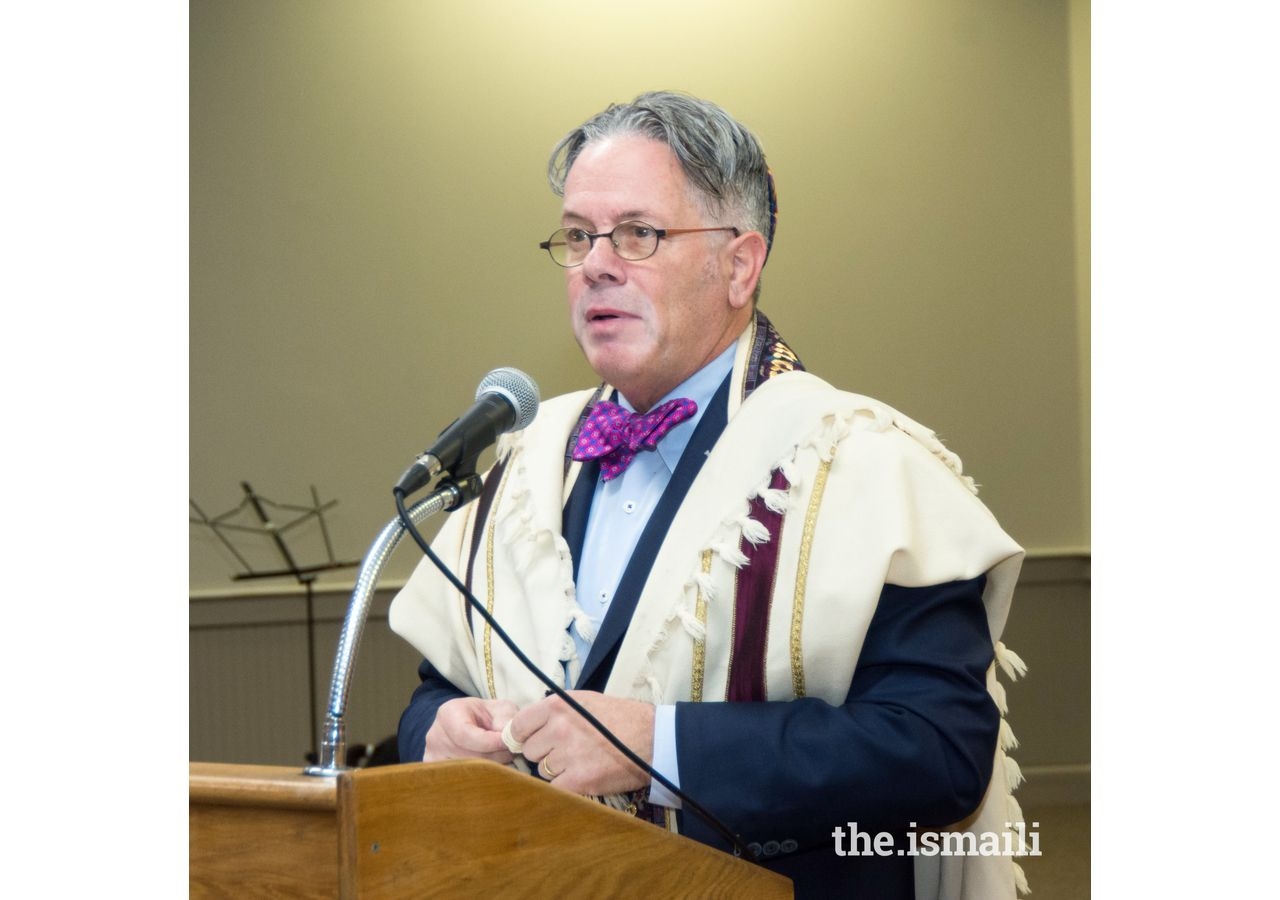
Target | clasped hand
(569,753)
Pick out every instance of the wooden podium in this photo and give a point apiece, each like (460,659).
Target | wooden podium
(464,828)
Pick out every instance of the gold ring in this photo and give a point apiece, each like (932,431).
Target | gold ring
(545,768)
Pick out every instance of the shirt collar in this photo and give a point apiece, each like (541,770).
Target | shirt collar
(699,387)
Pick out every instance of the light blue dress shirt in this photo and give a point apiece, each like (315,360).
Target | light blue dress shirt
(620,510)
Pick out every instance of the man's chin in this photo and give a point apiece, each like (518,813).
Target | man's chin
(618,369)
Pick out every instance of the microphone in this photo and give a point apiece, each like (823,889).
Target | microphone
(506,400)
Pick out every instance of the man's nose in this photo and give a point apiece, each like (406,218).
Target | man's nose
(602,262)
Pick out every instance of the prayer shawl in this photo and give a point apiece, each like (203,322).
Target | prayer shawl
(811,501)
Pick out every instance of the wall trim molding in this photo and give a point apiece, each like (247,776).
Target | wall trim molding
(1042,566)
(1053,785)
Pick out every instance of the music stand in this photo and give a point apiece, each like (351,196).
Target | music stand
(305,575)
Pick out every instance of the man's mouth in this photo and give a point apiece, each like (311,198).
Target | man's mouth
(603,315)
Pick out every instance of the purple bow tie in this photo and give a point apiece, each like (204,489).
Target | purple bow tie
(614,436)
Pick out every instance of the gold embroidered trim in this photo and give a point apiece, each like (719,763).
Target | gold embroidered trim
(488,562)
(700,645)
(733,629)
(802,577)
(782,359)
(473,522)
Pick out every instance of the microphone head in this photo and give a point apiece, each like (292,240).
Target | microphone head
(518,388)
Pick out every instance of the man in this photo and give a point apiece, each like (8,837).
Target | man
(784,597)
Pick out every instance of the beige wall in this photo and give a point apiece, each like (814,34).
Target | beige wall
(1082,135)
(367,193)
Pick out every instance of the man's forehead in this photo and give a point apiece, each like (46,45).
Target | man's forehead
(624,177)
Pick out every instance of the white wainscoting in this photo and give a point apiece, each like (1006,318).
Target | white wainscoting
(249,676)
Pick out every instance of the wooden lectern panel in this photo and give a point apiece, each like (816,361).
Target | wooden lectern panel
(454,829)
(262,831)
(480,824)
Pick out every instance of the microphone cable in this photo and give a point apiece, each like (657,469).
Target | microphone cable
(739,850)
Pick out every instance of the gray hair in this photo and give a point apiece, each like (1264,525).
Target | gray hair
(721,159)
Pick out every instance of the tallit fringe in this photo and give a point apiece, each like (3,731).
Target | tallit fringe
(791,471)
(931,442)
(754,531)
(567,649)
(655,688)
(1010,662)
(835,427)
(1013,667)
(506,443)
(1013,810)
(681,618)
(776,500)
(583,623)
(1012,773)
(950,459)
(1008,740)
(730,553)
(874,417)
(695,629)
(827,438)
(705,584)
(1000,697)
(1020,879)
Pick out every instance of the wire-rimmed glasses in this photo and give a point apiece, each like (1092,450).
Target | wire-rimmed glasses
(634,240)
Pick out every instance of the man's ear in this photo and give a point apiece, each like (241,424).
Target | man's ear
(749,251)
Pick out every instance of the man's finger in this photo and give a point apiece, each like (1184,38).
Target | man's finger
(528,721)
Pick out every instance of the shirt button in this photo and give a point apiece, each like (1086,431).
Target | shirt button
(604,596)
(629,507)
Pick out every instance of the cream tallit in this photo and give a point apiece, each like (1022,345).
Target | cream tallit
(859,496)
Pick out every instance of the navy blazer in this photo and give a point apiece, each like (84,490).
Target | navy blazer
(913,743)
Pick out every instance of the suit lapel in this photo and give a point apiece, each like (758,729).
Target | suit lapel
(577,510)
(595,672)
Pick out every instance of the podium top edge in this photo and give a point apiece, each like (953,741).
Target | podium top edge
(286,787)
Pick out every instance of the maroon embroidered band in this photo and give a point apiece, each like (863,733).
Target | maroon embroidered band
(754,592)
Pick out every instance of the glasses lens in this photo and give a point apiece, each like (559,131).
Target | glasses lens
(576,245)
(635,240)
(568,246)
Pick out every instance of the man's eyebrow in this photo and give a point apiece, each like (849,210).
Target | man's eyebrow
(570,217)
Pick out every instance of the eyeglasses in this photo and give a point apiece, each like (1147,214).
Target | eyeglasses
(569,247)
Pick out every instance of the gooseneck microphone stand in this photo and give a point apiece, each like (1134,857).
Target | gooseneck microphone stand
(333,742)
